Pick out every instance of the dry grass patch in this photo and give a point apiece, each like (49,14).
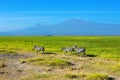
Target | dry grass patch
(48,61)
(83,76)
(37,77)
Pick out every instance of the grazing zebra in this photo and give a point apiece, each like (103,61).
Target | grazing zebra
(81,49)
(39,48)
(67,49)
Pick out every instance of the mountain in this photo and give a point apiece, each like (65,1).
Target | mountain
(69,27)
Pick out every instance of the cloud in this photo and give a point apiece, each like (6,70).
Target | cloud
(61,12)
(23,18)
(18,15)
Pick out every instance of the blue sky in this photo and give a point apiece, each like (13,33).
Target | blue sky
(16,14)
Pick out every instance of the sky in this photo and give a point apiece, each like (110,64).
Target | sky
(18,14)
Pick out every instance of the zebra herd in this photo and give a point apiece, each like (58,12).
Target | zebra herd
(72,49)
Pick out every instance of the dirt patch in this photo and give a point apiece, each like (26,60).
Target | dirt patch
(15,56)
(14,68)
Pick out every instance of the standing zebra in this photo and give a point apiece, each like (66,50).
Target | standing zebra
(39,48)
(81,49)
(67,49)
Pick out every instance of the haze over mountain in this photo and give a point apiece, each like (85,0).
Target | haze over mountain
(70,27)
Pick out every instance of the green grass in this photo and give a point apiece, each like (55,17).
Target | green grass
(101,46)
(97,77)
(71,76)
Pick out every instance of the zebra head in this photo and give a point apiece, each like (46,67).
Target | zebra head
(63,48)
(34,47)
(74,46)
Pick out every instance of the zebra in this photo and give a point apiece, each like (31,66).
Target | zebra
(81,49)
(39,48)
(67,49)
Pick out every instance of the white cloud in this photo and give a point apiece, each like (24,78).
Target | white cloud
(52,12)
(23,18)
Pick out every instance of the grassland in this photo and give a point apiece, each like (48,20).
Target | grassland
(101,63)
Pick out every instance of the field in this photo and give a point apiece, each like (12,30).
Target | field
(19,62)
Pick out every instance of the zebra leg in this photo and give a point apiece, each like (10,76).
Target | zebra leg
(78,53)
(71,52)
(65,52)
(37,52)
(84,54)
(42,52)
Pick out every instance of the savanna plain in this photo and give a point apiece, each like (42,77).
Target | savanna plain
(19,62)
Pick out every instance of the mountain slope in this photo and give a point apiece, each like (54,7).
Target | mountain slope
(70,27)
